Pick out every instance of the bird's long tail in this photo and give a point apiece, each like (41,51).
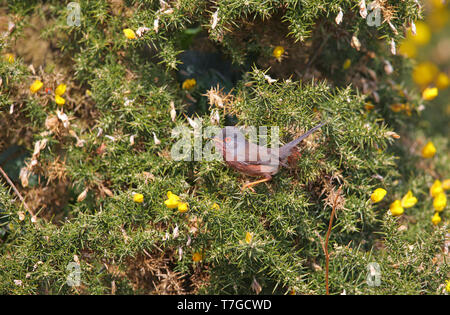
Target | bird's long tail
(285,150)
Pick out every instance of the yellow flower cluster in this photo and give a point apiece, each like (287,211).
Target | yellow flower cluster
(59,91)
(397,207)
(437,191)
(173,201)
(278,52)
(408,46)
(426,74)
(398,107)
(189,84)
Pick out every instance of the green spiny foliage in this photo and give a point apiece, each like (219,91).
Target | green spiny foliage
(121,89)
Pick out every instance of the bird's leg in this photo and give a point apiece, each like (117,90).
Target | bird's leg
(249,185)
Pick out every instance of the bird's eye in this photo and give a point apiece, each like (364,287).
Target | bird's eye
(227,139)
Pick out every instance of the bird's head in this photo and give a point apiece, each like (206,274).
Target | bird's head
(230,140)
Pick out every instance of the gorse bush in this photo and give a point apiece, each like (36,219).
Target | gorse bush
(89,149)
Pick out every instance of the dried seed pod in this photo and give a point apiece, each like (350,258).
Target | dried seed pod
(355,43)
(413,28)
(256,286)
(363,9)
(82,195)
(157,141)
(214,19)
(156,25)
(388,67)
(173,112)
(393,48)
(24,175)
(339,17)
(141,31)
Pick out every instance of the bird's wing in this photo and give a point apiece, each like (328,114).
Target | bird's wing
(249,153)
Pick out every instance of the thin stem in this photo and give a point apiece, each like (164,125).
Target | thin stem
(16,191)
(325,247)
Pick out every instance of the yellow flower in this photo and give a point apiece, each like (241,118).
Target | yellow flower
(172,195)
(248,237)
(196,257)
(189,84)
(424,73)
(278,51)
(129,33)
(347,64)
(423,34)
(437,4)
(442,81)
(36,86)
(429,150)
(436,188)
(60,89)
(408,200)
(9,58)
(436,218)
(447,287)
(215,206)
(182,207)
(408,109)
(430,93)
(139,198)
(396,208)
(446,184)
(397,107)
(59,100)
(408,48)
(172,203)
(438,19)
(378,195)
(400,90)
(439,202)
(369,106)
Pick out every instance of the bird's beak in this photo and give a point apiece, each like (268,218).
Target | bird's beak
(217,140)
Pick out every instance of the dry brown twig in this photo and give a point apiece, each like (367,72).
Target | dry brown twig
(336,201)
(18,194)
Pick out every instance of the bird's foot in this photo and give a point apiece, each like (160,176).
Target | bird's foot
(245,186)
(249,185)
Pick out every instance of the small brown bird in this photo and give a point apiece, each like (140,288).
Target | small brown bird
(252,159)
